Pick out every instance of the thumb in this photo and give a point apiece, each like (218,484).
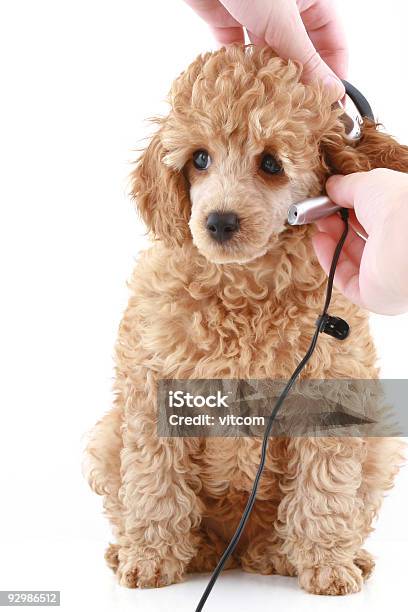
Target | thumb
(286,33)
(315,69)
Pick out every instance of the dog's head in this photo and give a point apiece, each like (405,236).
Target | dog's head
(244,139)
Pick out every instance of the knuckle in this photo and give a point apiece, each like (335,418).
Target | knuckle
(313,62)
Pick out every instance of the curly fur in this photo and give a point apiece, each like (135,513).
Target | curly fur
(244,310)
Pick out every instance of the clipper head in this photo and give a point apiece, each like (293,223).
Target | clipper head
(310,210)
(356,108)
(351,120)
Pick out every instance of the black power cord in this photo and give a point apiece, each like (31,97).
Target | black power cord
(361,103)
(333,326)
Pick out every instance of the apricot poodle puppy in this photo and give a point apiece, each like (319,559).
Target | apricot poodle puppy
(228,290)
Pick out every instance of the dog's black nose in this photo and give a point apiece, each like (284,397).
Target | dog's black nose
(222,226)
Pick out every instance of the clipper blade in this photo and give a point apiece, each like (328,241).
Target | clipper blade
(311,210)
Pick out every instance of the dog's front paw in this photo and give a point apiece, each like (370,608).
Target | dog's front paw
(112,556)
(331,579)
(149,572)
(365,562)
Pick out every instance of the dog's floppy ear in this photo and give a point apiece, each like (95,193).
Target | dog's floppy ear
(374,149)
(161,195)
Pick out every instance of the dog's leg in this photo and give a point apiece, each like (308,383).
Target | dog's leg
(263,553)
(102,469)
(383,459)
(321,518)
(161,509)
(112,556)
(264,556)
(210,549)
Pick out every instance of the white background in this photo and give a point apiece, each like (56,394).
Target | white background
(78,79)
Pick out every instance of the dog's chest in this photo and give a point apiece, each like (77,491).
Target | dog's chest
(187,321)
(229,333)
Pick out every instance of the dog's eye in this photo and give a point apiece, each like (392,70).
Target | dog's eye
(270,164)
(201,159)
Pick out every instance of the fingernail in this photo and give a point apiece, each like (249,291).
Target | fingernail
(334,86)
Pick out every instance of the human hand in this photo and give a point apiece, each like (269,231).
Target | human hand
(305,30)
(372,274)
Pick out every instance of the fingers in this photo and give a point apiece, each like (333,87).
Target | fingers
(279,24)
(353,246)
(227,36)
(255,40)
(346,278)
(361,191)
(326,32)
(355,225)
(379,198)
(348,268)
(343,189)
(225,28)
(286,33)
